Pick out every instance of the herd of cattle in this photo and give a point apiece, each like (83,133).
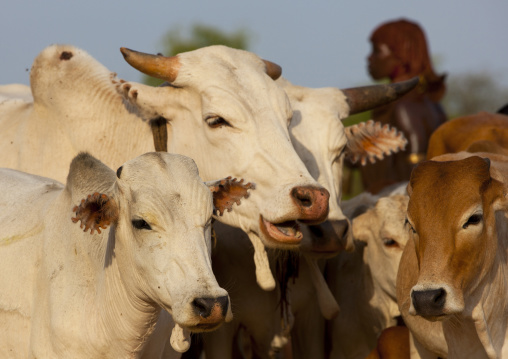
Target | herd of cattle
(109,249)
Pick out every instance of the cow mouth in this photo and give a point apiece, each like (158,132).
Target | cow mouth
(435,318)
(287,232)
(204,327)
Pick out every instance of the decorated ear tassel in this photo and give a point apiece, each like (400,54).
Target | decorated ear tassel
(228,191)
(368,141)
(95,212)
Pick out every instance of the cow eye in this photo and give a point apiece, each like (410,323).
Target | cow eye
(406,223)
(389,242)
(141,224)
(216,122)
(473,220)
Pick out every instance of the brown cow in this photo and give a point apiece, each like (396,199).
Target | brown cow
(481,132)
(452,275)
(393,343)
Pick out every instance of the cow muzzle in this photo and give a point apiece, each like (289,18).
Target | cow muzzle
(211,312)
(311,207)
(429,303)
(312,203)
(329,238)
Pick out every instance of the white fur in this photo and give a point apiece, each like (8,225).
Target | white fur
(76,107)
(318,136)
(67,293)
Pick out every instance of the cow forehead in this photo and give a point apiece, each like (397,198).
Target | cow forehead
(163,177)
(444,189)
(317,115)
(203,67)
(393,211)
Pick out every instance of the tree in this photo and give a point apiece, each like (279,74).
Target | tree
(473,92)
(176,41)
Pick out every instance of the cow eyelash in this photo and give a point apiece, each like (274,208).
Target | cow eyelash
(406,223)
(216,122)
(473,220)
(141,224)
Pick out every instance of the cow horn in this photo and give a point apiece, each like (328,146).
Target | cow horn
(272,69)
(161,67)
(366,98)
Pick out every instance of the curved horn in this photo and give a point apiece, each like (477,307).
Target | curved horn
(366,98)
(272,69)
(161,67)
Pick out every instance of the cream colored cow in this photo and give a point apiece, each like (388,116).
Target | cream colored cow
(67,293)
(322,141)
(363,282)
(223,109)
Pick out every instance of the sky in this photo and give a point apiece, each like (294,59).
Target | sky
(318,43)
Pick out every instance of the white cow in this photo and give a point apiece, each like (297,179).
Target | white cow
(224,111)
(363,282)
(322,141)
(70,294)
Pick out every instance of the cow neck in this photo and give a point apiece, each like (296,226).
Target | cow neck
(377,299)
(368,303)
(491,329)
(113,135)
(484,332)
(120,313)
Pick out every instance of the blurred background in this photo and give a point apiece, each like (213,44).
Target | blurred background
(317,43)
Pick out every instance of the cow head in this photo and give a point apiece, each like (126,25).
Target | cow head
(382,229)
(322,142)
(161,213)
(226,112)
(456,218)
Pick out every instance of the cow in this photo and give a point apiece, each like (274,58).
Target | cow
(65,292)
(451,284)
(480,132)
(393,343)
(322,141)
(323,148)
(224,111)
(363,282)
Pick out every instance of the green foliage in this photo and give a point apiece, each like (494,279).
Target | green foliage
(356,119)
(469,93)
(177,40)
(203,35)
(351,177)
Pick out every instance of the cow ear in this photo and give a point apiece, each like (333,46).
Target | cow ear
(95,212)
(361,227)
(228,191)
(368,141)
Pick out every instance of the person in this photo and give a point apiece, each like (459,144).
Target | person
(400,52)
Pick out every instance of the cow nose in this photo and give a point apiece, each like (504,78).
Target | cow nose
(205,306)
(429,303)
(328,237)
(312,203)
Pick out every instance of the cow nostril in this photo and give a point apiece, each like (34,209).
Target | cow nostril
(440,297)
(311,202)
(303,197)
(203,306)
(224,303)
